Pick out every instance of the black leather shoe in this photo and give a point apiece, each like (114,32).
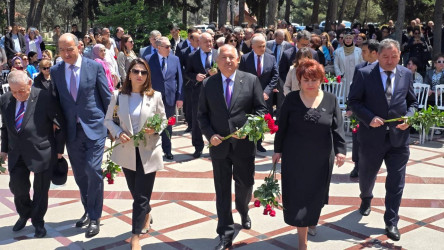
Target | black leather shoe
(20,224)
(246,222)
(261,149)
(40,232)
(393,232)
(223,244)
(364,209)
(83,221)
(187,130)
(197,153)
(355,172)
(169,156)
(93,228)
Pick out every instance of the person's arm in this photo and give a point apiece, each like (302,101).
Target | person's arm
(113,128)
(260,108)
(179,81)
(336,63)
(203,113)
(55,115)
(283,123)
(189,70)
(2,51)
(274,78)
(121,58)
(161,111)
(356,97)
(412,102)
(287,84)
(102,87)
(337,130)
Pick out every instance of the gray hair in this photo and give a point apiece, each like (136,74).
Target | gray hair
(162,39)
(388,43)
(257,38)
(155,33)
(220,40)
(279,32)
(238,30)
(303,34)
(228,46)
(18,77)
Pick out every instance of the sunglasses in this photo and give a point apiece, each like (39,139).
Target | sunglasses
(131,41)
(46,68)
(25,59)
(233,41)
(341,37)
(166,47)
(136,72)
(439,61)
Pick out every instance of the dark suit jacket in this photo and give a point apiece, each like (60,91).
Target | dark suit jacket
(41,83)
(93,97)
(145,51)
(269,77)
(284,46)
(9,45)
(182,45)
(367,100)
(245,49)
(215,118)
(183,58)
(174,46)
(171,85)
(287,60)
(194,66)
(35,142)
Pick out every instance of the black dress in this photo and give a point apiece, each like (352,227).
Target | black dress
(308,140)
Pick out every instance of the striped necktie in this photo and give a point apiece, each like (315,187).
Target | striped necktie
(19,116)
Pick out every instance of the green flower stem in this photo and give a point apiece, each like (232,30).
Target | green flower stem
(225,138)
(404,118)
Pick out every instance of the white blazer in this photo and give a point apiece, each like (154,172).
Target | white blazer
(291,82)
(340,60)
(125,154)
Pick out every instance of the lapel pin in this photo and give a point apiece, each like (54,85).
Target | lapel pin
(323,109)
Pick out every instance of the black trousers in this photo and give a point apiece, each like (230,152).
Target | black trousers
(188,106)
(241,169)
(141,187)
(196,133)
(395,159)
(20,185)
(355,148)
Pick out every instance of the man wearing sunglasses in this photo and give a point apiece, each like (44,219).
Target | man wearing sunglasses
(166,78)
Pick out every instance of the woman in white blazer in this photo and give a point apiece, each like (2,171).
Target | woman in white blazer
(137,102)
(345,60)
(291,82)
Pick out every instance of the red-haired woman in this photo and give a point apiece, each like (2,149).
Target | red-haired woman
(310,129)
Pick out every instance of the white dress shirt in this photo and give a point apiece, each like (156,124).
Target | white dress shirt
(255,62)
(384,78)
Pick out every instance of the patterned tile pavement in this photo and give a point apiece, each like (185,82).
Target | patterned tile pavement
(184,209)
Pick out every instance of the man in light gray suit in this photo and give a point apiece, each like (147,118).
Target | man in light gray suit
(278,45)
(81,86)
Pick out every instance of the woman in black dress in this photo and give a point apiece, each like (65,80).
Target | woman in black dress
(310,136)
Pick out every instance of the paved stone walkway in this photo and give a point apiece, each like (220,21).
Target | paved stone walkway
(184,209)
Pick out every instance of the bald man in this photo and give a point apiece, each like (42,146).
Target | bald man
(81,86)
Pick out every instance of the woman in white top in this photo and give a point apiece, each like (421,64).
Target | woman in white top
(291,82)
(346,59)
(136,103)
(412,65)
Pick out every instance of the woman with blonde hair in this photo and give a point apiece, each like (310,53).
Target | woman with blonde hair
(327,48)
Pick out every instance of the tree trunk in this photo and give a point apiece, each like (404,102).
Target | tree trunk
(213,10)
(223,5)
(437,30)
(272,12)
(38,12)
(342,11)
(400,21)
(357,13)
(184,13)
(31,13)
(331,14)
(241,11)
(315,15)
(85,16)
(261,12)
(287,10)
(11,11)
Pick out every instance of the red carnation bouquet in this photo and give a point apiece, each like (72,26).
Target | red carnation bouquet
(268,193)
(329,78)
(110,168)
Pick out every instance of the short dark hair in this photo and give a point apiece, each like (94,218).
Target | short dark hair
(415,60)
(57,26)
(15,24)
(173,26)
(74,25)
(31,54)
(191,30)
(372,45)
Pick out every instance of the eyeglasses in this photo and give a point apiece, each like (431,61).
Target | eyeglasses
(166,47)
(131,41)
(25,59)
(341,37)
(439,61)
(233,41)
(136,72)
(46,68)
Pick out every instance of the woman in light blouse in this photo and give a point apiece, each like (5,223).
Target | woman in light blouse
(126,55)
(291,82)
(435,77)
(137,102)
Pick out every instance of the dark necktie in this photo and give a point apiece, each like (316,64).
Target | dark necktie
(259,66)
(228,92)
(19,116)
(154,51)
(207,61)
(388,87)
(276,52)
(163,64)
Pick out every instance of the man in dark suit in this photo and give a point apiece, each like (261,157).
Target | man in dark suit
(262,65)
(187,87)
(81,86)
(175,37)
(150,49)
(198,68)
(370,56)
(225,99)
(15,44)
(166,78)
(187,42)
(245,46)
(28,142)
(379,92)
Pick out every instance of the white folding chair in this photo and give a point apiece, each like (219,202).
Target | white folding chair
(5,74)
(422,94)
(5,87)
(439,102)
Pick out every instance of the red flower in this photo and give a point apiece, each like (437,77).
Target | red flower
(338,79)
(357,125)
(108,175)
(268,117)
(110,181)
(272,213)
(171,121)
(257,203)
(354,130)
(274,129)
(325,80)
(268,208)
(265,211)
(270,123)
(115,57)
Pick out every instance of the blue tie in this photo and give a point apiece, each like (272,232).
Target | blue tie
(19,116)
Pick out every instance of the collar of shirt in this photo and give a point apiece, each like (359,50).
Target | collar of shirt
(262,62)
(224,83)
(188,42)
(384,77)
(369,63)
(203,57)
